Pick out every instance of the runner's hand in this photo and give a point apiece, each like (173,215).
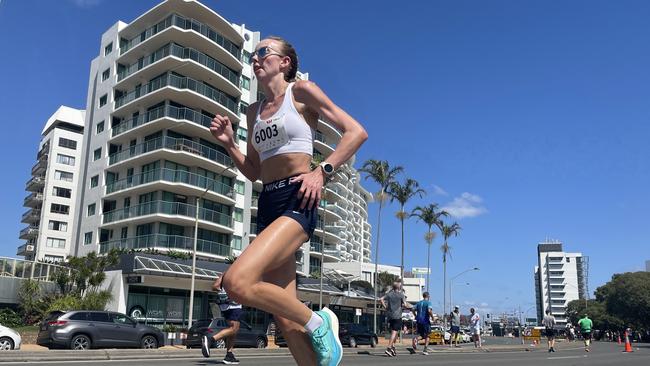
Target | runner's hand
(310,190)
(221,129)
(216,286)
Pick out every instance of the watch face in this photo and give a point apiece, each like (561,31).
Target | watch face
(328,168)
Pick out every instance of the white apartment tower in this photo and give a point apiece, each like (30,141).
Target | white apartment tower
(144,154)
(560,277)
(53,189)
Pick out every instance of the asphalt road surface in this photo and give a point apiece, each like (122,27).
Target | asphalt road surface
(570,354)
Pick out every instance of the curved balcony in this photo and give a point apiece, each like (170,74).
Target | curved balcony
(29,232)
(174,87)
(164,117)
(182,151)
(329,129)
(170,212)
(168,242)
(186,31)
(321,144)
(254,204)
(184,182)
(171,57)
(334,194)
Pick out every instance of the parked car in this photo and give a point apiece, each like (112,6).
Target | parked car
(9,339)
(350,335)
(246,337)
(438,336)
(82,330)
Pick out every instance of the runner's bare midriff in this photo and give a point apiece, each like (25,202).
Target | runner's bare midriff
(283,166)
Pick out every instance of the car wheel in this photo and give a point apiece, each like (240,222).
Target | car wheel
(219,344)
(6,344)
(137,312)
(260,342)
(373,342)
(80,342)
(353,342)
(149,342)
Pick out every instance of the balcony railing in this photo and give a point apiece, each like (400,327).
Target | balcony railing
(180,82)
(35,196)
(253,229)
(174,176)
(320,137)
(36,181)
(174,242)
(255,201)
(168,208)
(29,231)
(183,23)
(160,112)
(178,144)
(32,213)
(187,53)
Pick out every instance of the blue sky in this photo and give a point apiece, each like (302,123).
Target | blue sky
(527,118)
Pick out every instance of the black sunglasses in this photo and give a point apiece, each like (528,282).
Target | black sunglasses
(262,53)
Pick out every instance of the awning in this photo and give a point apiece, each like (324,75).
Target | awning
(153,265)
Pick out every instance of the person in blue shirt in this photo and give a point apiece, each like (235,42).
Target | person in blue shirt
(423,314)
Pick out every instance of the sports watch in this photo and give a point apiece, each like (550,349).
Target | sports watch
(328,168)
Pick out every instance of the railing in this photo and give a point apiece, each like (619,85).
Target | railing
(183,23)
(172,49)
(255,201)
(40,164)
(160,112)
(168,208)
(180,82)
(253,229)
(320,137)
(30,230)
(33,196)
(20,268)
(167,242)
(174,176)
(178,144)
(316,247)
(38,180)
(32,213)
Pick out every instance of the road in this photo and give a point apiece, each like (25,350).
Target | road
(569,354)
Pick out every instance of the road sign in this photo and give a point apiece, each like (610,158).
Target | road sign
(419,270)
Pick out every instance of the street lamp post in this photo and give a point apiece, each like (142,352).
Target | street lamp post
(196,233)
(456,276)
(451,288)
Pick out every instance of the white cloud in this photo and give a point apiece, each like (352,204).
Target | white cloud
(86,3)
(467,205)
(439,191)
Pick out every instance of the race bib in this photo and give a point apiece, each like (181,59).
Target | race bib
(269,134)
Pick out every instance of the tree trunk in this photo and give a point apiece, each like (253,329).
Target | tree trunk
(381,202)
(402,263)
(444,285)
(429,262)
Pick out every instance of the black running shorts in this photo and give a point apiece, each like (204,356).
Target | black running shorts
(280,198)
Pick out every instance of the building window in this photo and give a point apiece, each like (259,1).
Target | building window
(88,238)
(68,144)
(94,181)
(568,259)
(108,49)
(245,56)
(106,74)
(243,107)
(103,100)
(65,159)
(58,225)
(239,186)
(64,176)
(238,214)
(236,242)
(55,243)
(91,209)
(245,83)
(62,209)
(62,192)
(97,154)
(242,133)
(100,127)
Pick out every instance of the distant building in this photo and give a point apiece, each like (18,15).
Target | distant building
(560,278)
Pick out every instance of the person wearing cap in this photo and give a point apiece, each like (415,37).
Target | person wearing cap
(455,326)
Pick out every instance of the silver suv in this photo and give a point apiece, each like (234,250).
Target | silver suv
(82,330)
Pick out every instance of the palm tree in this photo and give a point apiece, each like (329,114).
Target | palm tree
(447,231)
(403,193)
(383,174)
(431,216)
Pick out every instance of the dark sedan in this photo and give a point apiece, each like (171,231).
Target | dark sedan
(82,330)
(246,337)
(350,335)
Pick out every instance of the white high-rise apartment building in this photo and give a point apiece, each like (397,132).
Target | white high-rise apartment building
(53,188)
(560,278)
(148,154)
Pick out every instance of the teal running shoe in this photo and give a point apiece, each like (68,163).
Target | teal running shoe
(325,339)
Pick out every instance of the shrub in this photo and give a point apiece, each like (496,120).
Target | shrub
(10,319)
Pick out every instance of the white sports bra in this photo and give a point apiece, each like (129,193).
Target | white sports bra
(285,132)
